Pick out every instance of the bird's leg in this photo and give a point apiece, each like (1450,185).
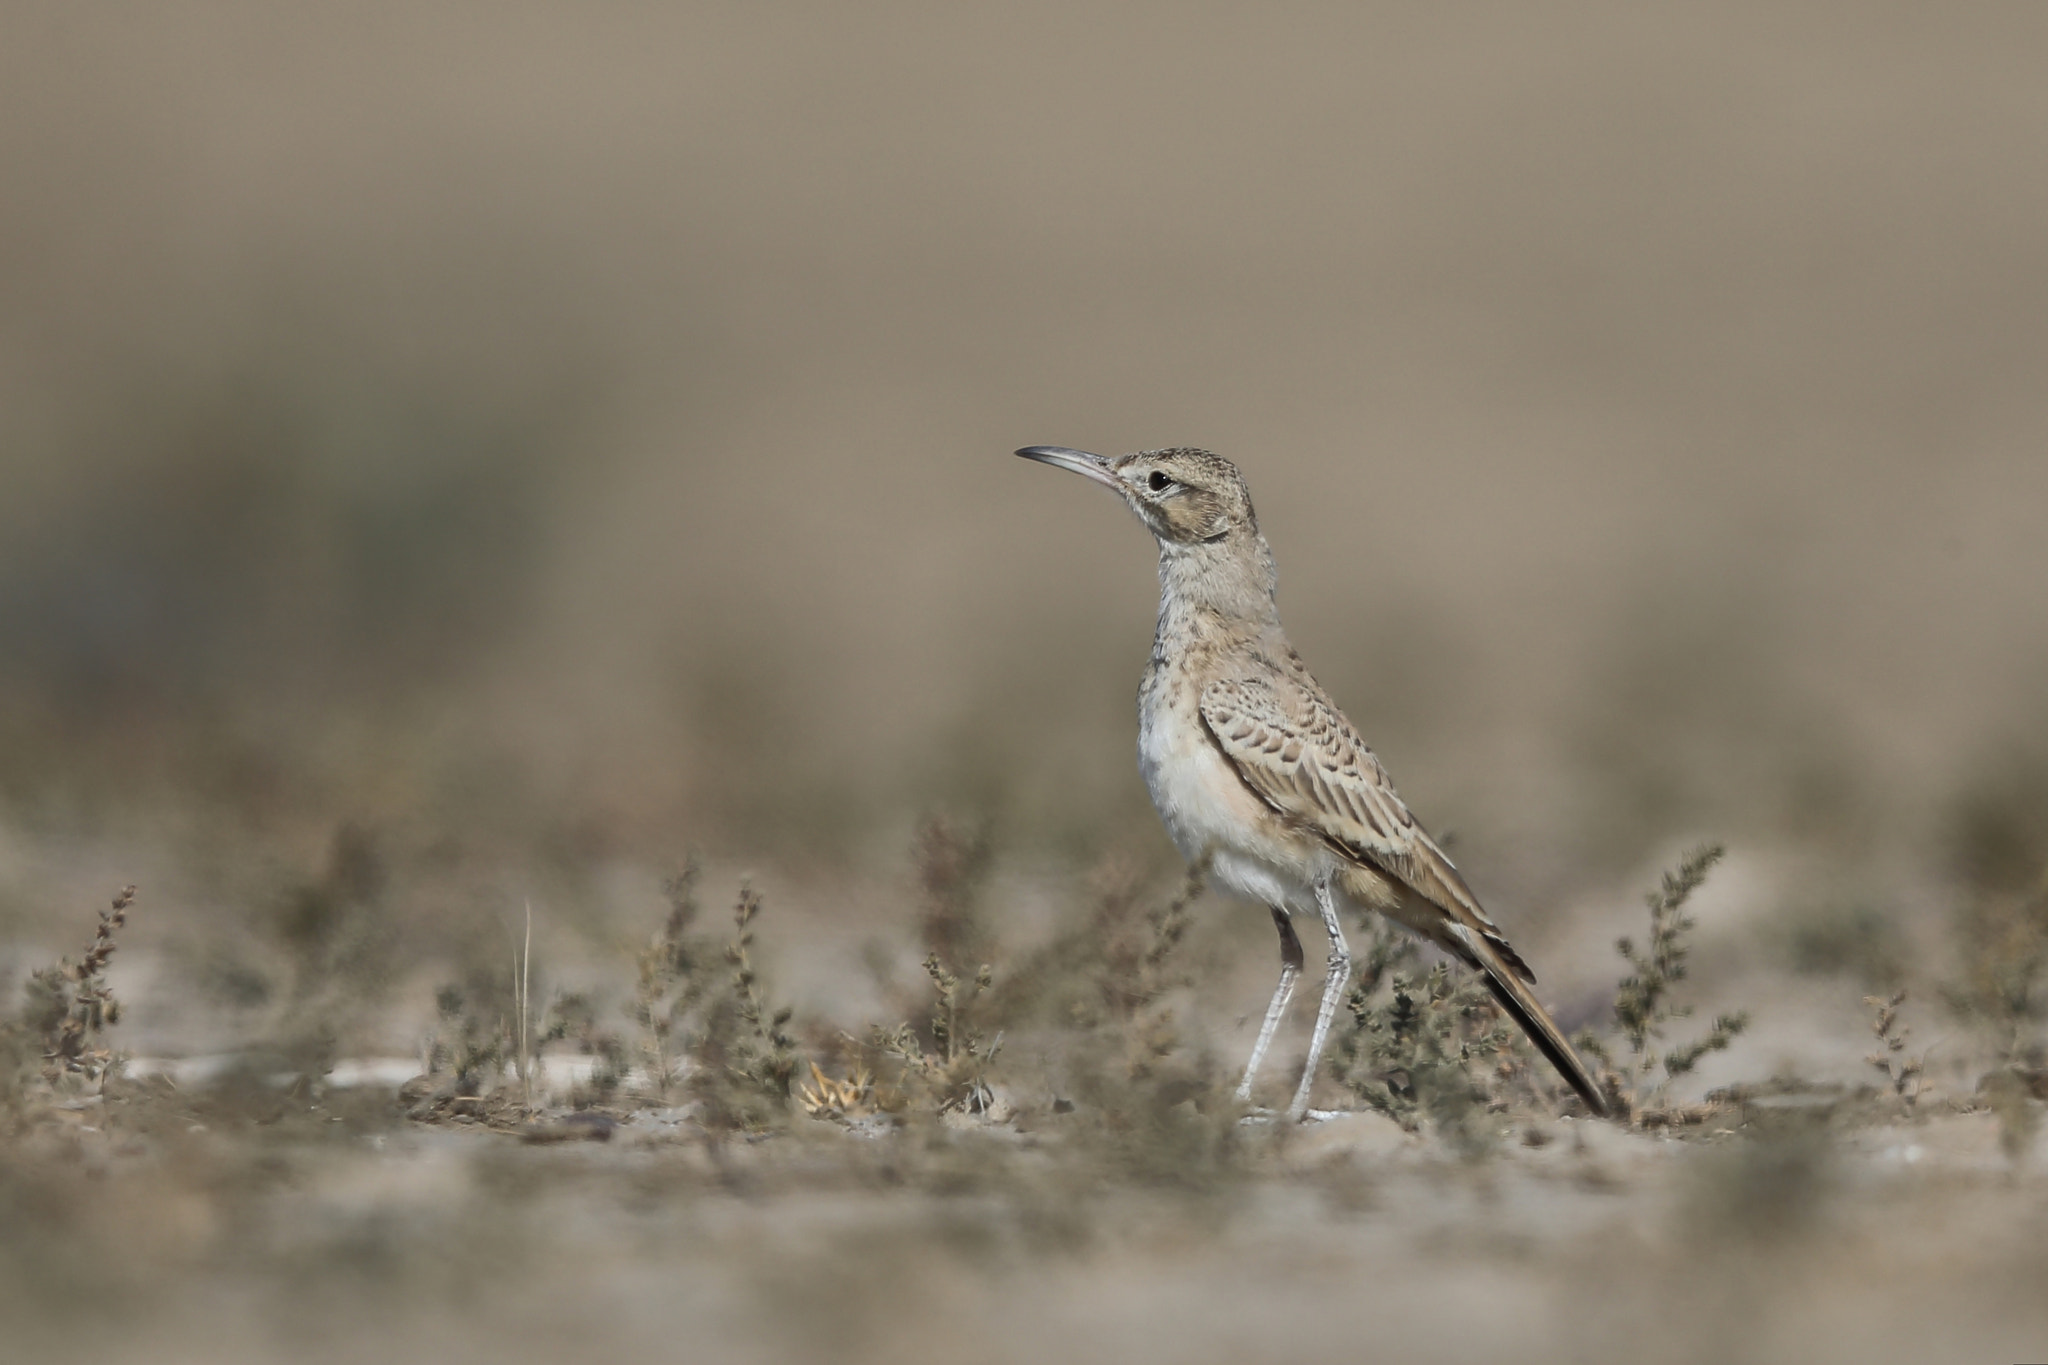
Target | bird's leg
(1333,989)
(1290,972)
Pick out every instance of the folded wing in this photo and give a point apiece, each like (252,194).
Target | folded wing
(1299,755)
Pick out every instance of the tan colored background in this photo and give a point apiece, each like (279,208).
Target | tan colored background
(454,457)
(551,434)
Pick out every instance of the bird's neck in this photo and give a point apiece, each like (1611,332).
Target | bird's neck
(1233,579)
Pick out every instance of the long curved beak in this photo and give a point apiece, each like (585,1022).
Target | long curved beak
(1079,461)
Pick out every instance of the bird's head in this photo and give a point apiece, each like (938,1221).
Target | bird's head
(1184,496)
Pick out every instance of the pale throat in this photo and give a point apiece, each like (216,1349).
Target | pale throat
(1232,578)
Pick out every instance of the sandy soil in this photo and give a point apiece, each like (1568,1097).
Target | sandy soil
(454,461)
(334,1234)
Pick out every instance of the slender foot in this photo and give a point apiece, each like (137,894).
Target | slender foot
(1333,991)
(1290,972)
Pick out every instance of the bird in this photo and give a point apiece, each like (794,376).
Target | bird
(1259,776)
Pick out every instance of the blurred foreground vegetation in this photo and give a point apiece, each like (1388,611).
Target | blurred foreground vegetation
(450,469)
(723,1160)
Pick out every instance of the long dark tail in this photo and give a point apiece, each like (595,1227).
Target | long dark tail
(1525,1009)
(1449,916)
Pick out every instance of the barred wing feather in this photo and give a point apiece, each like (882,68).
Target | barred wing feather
(1299,755)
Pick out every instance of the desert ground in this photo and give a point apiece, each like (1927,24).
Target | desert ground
(510,546)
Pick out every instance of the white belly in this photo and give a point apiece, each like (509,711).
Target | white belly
(1207,808)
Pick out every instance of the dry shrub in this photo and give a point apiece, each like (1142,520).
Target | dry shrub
(1142,1101)
(340,938)
(1901,1073)
(57,1042)
(1998,852)
(1435,1048)
(937,1061)
(672,976)
(743,1059)
(941,1068)
(1643,1006)
(2002,938)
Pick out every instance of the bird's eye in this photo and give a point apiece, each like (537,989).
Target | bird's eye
(1158,482)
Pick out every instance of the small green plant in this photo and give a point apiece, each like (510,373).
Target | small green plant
(772,1050)
(1642,1003)
(1431,1051)
(744,1057)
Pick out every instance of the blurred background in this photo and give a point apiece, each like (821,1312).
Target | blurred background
(458,454)
(457,458)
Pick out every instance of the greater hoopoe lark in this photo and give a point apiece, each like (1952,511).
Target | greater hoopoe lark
(1254,768)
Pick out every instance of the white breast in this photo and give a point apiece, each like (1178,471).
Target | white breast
(1207,807)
